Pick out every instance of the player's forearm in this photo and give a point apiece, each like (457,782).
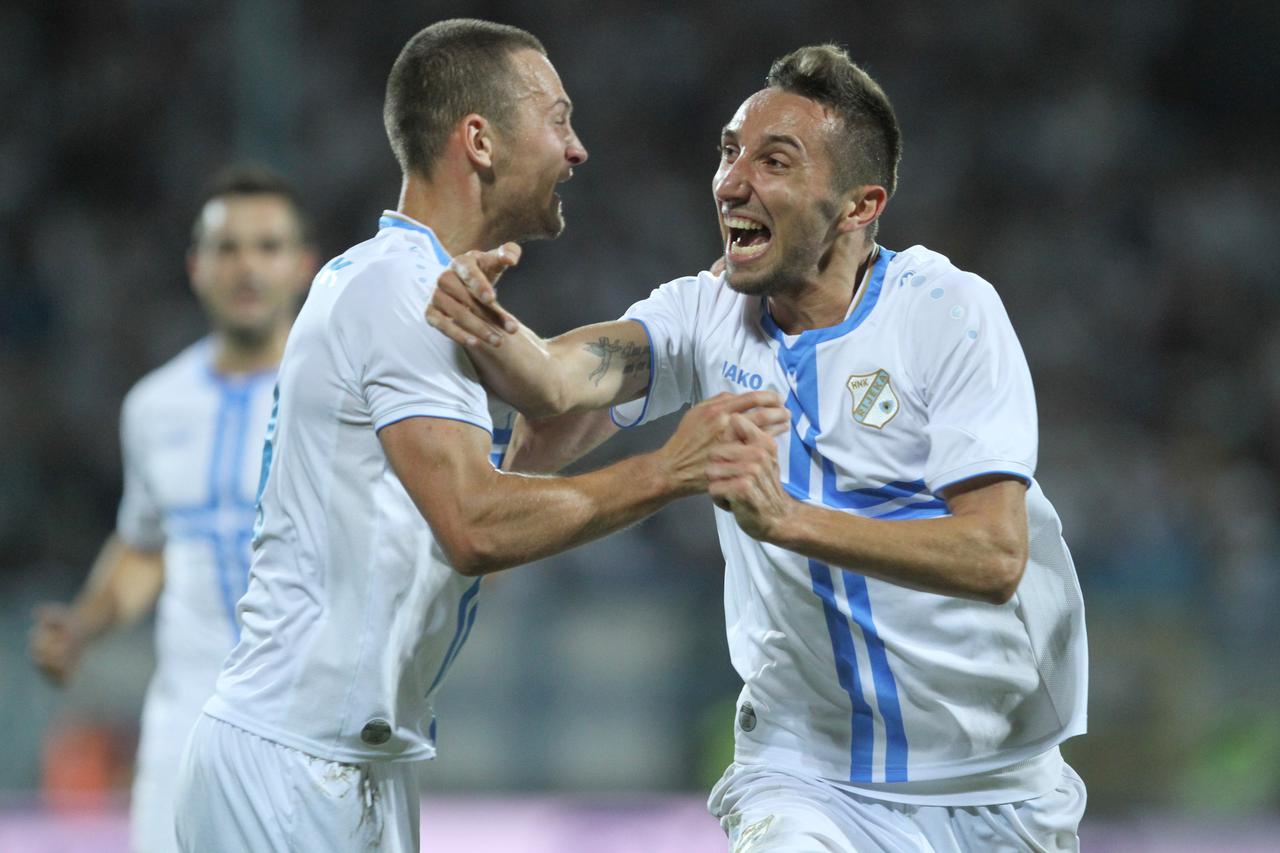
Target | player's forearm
(522,518)
(967,557)
(122,586)
(550,445)
(589,368)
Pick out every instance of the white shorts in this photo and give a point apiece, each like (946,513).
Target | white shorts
(151,806)
(763,809)
(240,793)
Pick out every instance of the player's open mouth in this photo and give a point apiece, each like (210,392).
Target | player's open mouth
(748,239)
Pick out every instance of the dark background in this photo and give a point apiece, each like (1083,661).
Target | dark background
(1110,166)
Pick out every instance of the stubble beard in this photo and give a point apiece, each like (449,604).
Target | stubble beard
(523,221)
(787,277)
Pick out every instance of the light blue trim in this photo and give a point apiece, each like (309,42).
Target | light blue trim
(460,632)
(476,424)
(394,222)
(201,521)
(1017,475)
(812,337)
(862,721)
(800,363)
(895,752)
(648,391)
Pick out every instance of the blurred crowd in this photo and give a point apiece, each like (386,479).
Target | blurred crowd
(1110,166)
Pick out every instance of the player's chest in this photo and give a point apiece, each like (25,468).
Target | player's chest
(850,397)
(205,450)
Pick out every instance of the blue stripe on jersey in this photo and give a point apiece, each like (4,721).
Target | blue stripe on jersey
(895,753)
(800,364)
(392,222)
(224,520)
(863,721)
(460,632)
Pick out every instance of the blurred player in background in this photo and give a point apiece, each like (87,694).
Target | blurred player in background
(899,599)
(379,508)
(192,433)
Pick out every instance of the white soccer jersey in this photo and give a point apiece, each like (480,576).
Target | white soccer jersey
(923,385)
(192,441)
(353,615)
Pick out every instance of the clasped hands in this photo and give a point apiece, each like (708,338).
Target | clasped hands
(724,446)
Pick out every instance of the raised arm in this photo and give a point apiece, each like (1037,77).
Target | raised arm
(488,520)
(592,367)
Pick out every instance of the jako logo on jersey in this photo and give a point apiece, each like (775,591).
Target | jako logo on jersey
(736,374)
(874,401)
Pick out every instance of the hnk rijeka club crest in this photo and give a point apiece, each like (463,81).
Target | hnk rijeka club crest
(874,401)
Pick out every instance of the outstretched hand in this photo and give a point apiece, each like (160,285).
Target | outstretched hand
(465,305)
(743,478)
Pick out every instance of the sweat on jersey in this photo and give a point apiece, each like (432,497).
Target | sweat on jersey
(894,692)
(353,614)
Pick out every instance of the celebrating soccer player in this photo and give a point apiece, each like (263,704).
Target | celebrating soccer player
(899,599)
(191,432)
(379,508)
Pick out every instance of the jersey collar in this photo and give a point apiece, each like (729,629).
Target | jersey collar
(395,219)
(865,300)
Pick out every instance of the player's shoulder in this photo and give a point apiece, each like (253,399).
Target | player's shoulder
(188,369)
(704,287)
(921,277)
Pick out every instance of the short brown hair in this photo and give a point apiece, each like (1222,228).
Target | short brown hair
(871,146)
(243,179)
(448,70)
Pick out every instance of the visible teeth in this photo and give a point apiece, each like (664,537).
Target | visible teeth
(742,224)
(741,252)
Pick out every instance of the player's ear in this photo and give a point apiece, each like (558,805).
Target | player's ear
(863,206)
(477,140)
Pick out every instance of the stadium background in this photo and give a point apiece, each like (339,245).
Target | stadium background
(1110,166)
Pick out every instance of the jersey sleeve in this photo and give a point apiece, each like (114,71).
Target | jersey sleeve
(407,368)
(140,519)
(975,384)
(668,316)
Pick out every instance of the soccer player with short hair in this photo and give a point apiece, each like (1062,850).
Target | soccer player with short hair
(191,433)
(899,600)
(379,507)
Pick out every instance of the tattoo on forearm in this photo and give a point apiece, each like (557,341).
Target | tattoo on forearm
(613,354)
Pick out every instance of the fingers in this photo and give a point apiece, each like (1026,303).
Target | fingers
(771,420)
(476,288)
(495,261)
(460,325)
(749,400)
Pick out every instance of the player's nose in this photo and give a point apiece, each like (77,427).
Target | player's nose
(730,183)
(575,152)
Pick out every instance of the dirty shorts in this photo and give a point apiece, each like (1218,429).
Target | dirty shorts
(764,810)
(239,792)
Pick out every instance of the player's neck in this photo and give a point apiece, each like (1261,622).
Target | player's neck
(233,357)
(447,207)
(825,299)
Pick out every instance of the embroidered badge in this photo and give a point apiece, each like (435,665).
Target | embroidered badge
(874,400)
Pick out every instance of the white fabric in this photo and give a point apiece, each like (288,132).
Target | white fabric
(846,677)
(768,810)
(243,793)
(192,442)
(353,615)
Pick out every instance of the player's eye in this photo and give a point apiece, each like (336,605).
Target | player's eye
(270,247)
